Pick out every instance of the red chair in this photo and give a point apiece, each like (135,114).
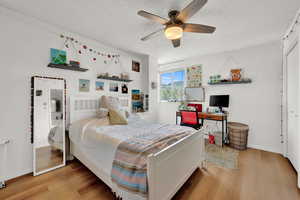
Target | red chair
(197,106)
(190,118)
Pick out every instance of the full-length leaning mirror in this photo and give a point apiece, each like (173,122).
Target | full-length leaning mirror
(48,121)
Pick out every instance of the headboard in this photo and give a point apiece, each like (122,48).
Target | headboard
(82,107)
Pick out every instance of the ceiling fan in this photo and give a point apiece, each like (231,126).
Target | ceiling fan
(175,27)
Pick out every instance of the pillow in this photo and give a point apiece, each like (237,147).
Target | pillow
(102,113)
(110,102)
(117,117)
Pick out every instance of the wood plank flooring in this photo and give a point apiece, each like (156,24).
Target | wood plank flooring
(261,176)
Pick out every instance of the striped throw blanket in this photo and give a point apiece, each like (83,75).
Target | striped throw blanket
(129,169)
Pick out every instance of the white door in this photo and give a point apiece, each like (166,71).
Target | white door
(292,105)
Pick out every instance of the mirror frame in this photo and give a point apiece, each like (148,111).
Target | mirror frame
(35,172)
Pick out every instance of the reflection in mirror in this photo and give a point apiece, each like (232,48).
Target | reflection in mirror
(49,127)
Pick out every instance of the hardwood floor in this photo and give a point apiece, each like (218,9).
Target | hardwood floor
(48,157)
(261,176)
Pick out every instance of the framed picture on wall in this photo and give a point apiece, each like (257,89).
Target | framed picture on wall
(124,89)
(99,86)
(84,85)
(136,66)
(113,87)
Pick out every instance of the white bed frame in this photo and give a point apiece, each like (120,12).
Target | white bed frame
(167,170)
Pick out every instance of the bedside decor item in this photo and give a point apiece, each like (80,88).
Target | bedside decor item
(84,85)
(124,89)
(58,56)
(99,86)
(194,76)
(113,87)
(135,66)
(236,74)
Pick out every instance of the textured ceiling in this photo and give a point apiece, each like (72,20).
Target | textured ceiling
(115,22)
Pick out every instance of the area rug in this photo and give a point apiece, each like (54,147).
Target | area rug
(222,156)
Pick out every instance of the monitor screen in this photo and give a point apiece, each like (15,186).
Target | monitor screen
(219,101)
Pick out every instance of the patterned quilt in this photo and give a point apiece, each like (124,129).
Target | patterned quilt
(129,168)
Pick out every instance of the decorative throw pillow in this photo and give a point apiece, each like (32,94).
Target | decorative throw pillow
(102,113)
(117,117)
(110,102)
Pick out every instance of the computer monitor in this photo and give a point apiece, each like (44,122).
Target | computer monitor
(221,101)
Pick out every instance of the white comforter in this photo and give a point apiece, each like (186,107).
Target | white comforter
(101,140)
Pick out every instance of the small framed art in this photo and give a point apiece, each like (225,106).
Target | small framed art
(84,85)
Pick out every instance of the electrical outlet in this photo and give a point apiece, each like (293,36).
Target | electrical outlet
(4,141)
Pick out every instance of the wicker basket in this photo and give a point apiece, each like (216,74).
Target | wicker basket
(238,135)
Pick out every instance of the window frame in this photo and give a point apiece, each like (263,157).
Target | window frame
(184,84)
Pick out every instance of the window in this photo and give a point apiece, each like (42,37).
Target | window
(172,86)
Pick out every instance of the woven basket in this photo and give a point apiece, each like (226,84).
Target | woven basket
(238,135)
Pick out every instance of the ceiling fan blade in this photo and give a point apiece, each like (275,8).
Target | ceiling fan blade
(153,17)
(198,28)
(191,9)
(152,35)
(176,43)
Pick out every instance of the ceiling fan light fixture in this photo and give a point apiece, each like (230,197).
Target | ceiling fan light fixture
(173,32)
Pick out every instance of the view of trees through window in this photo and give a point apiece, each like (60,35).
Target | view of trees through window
(172,85)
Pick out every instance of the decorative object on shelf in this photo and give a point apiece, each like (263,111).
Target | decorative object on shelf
(105,76)
(74,63)
(135,66)
(124,89)
(113,87)
(84,85)
(58,56)
(236,74)
(242,81)
(153,85)
(194,76)
(215,79)
(124,76)
(99,86)
(82,48)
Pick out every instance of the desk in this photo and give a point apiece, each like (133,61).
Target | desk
(214,117)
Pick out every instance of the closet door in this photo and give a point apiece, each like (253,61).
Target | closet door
(292,105)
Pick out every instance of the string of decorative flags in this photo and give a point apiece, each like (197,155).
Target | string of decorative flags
(83,48)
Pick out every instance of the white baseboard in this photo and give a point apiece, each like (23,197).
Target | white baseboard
(16,175)
(264,148)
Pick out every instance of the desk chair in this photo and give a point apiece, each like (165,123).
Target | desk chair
(190,118)
(198,107)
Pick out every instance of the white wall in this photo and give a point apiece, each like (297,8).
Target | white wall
(256,104)
(24,52)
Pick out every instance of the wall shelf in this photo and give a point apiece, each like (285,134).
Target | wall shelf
(67,67)
(231,82)
(114,79)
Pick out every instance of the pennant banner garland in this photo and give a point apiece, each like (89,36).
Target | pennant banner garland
(83,48)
